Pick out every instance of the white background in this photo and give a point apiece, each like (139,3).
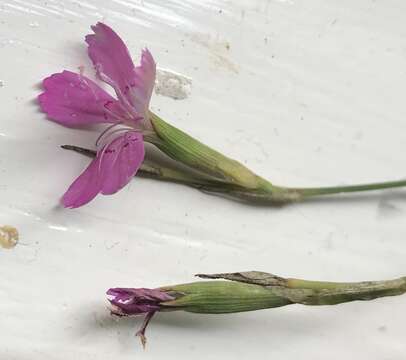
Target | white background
(305,93)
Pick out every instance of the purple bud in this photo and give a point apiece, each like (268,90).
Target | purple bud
(129,301)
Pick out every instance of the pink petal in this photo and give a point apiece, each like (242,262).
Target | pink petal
(85,187)
(113,63)
(110,55)
(144,80)
(112,169)
(72,99)
(121,161)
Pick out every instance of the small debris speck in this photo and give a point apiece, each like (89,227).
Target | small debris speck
(8,236)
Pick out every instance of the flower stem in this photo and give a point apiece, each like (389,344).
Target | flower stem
(310,192)
(243,182)
(325,293)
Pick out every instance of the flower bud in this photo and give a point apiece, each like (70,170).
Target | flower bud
(129,301)
(247,291)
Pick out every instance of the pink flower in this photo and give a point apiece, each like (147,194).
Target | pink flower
(130,301)
(74,100)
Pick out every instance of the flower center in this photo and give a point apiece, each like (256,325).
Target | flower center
(106,136)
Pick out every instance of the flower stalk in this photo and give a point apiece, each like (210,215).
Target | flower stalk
(245,291)
(191,152)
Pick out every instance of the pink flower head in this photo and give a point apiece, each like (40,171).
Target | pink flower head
(129,301)
(72,100)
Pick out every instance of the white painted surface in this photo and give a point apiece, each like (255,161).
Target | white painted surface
(304,92)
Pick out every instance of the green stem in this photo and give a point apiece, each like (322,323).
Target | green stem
(243,182)
(327,293)
(310,192)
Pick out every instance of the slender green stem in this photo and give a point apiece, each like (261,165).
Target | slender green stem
(265,192)
(309,192)
(327,293)
(243,183)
